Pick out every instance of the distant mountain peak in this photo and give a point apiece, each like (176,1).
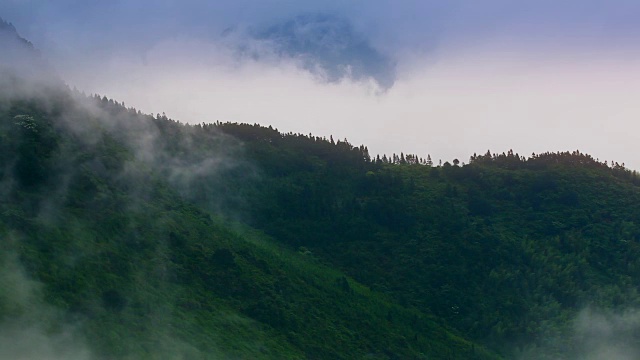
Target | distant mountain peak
(19,58)
(8,30)
(324,44)
(5,25)
(329,44)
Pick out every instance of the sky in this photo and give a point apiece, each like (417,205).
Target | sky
(445,78)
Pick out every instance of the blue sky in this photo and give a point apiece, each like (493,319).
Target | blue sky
(470,75)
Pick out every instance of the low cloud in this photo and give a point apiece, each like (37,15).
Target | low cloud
(30,328)
(602,335)
(594,334)
(464,102)
(458,77)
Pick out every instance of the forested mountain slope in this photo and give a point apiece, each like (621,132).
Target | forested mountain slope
(506,249)
(107,255)
(129,236)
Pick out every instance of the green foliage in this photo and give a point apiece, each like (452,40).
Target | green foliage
(158,239)
(113,219)
(505,249)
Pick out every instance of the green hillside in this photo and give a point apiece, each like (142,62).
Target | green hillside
(133,236)
(106,254)
(506,249)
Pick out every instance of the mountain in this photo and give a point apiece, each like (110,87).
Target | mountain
(325,45)
(128,236)
(123,236)
(9,32)
(20,58)
(506,249)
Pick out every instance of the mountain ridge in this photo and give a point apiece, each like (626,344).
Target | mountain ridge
(125,266)
(137,236)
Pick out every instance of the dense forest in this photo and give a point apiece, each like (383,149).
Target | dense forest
(505,248)
(126,236)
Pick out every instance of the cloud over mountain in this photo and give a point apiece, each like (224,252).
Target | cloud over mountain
(496,74)
(20,58)
(328,45)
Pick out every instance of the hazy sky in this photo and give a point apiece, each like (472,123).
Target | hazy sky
(468,75)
